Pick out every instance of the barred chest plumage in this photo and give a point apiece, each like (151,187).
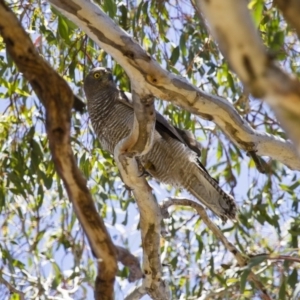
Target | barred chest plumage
(110,119)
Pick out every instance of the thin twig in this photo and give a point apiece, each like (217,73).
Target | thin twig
(11,288)
(241,259)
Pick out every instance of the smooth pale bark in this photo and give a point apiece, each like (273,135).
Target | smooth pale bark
(231,25)
(136,294)
(127,150)
(149,77)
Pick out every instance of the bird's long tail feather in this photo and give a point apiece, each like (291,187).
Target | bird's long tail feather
(202,186)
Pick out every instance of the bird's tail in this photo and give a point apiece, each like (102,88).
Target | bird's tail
(202,186)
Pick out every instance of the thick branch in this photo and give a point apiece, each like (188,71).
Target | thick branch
(126,152)
(130,261)
(153,79)
(58,98)
(242,260)
(231,25)
(291,12)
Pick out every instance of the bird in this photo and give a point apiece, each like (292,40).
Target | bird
(174,157)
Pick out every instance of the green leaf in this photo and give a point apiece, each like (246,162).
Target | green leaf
(256,260)
(2,197)
(175,55)
(282,290)
(182,43)
(219,151)
(293,279)
(230,81)
(63,29)
(256,7)
(243,279)
(110,7)
(40,235)
(57,277)
(15,296)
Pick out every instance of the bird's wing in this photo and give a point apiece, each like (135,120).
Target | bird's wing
(161,125)
(165,128)
(190,140)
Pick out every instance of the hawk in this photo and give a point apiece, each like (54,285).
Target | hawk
(174,156)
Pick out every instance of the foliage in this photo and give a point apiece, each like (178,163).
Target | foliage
(43,249)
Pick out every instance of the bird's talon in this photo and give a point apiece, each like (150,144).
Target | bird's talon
(144,173)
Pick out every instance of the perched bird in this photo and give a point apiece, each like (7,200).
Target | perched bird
(174,156)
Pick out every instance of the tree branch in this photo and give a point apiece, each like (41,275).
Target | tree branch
(244,50)
(277,257)
(241,259)
(153,79)
(137,293)
(126,152)
(291,12)
(130,261)
(12,289)
(57,98)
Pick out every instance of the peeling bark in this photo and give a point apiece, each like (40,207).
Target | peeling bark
(246,54)
(57,97)
(151,78)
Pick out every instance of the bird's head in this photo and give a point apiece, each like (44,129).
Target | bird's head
(98,79)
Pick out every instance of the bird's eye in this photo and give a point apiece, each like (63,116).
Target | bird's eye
(97,75)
